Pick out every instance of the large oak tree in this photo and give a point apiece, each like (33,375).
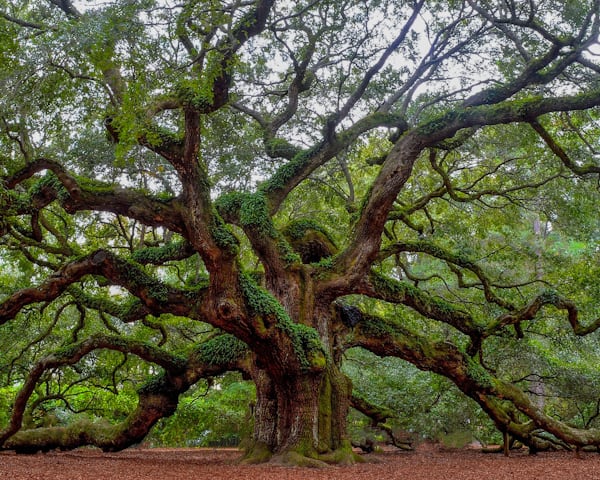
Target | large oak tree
(282,171)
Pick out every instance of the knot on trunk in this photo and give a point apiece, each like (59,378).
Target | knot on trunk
(227,309)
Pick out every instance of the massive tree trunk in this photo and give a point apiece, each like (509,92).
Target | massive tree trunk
(300,414)
(300,419)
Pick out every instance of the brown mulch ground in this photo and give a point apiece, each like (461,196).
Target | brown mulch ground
(426,463)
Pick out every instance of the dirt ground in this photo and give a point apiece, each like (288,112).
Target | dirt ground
(426,463)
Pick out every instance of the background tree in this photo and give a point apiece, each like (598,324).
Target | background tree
(258,186)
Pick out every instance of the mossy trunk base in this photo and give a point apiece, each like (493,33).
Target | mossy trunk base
(301,421)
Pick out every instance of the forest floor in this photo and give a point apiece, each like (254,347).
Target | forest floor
(427,462)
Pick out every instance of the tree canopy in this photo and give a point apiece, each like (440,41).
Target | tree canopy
(262,186)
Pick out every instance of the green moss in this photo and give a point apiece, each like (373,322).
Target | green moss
(158,255)
(224,236)
(95,186)
(288,171)
(157,136)
(137,278)
(393,288)
(258,452)
(229,204)
(326,263)
(437,123)
(307,345)
(127,308)
(298,228)
(195,95)
(221,350)
(164,197)
(287,253)
(376,327)
(409,294)
(254,212)
(342,456)
(325,414)
(250,209)
(157,384)
(259,301)
(550,297)
(68,351)
(477,373)
(311,241)
(49,181)
(278,147)
(305,340)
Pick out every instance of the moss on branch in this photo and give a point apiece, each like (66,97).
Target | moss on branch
(458,259)
(288,172)
(310,240)
(281,148)
(249,210)
(530,311)
(405,293)
(222,350)
(159,255)
(305,340)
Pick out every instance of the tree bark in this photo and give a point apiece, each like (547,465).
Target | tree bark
(301,419)
(300,415)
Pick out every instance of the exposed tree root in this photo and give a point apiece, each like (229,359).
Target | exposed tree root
(261,453)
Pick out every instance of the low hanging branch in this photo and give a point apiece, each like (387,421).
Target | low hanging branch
(76,195)
(499,399)
(157,398)
(71,355)
(405,293)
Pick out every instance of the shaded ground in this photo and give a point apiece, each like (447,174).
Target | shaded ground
(426,463)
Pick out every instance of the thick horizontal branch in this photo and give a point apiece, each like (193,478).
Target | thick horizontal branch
(376,413)
(155,295)
(511,111)
(78,194)
(388,338)
(71,354)
(126,312)
(171,251)
(405,293)
(379,416)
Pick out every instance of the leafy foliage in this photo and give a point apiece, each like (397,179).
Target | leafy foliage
(189,190)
